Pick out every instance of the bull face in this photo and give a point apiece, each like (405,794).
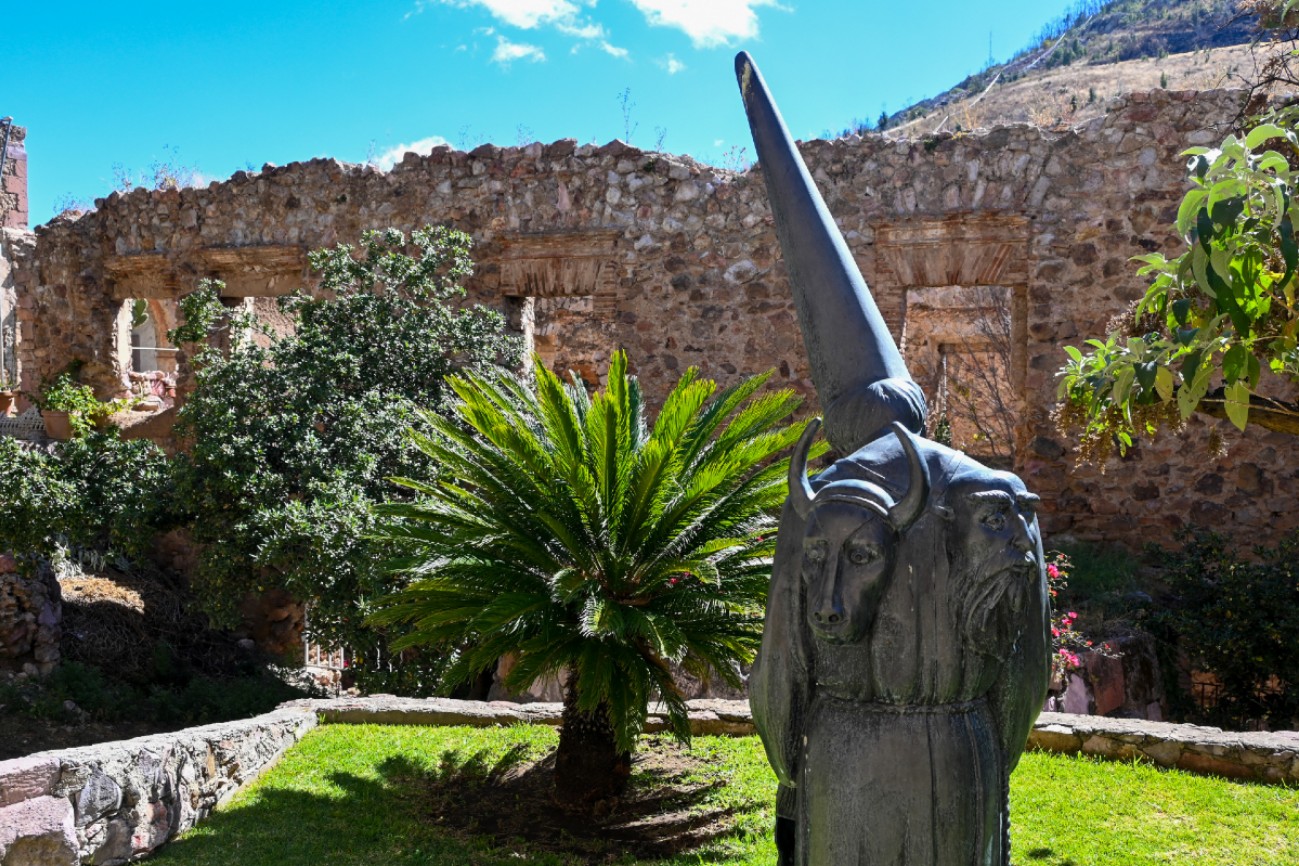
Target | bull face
(850,540)
(848,557)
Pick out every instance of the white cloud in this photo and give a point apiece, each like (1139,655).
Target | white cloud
(671,64)
(563,15)
(393,155)
(708,23)
(507,52)
(581,30)
(525,14)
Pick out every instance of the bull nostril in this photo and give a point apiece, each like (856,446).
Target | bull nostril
(827,618)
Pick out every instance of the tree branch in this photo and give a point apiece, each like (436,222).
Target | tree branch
(1276,415)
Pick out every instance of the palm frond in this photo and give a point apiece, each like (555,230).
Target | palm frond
(564,530)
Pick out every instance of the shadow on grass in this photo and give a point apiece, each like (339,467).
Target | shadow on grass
(464,811)
(667,810)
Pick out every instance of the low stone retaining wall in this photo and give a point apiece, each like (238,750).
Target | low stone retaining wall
(1263,757)
(113,802)
(727,718)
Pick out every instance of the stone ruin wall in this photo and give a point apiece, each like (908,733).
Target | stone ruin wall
(13,180)
(588,248)
(13,235)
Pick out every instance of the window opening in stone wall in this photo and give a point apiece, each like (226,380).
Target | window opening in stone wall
(961,346)
(149,362)
(975,399)
(562,338)
(561,291)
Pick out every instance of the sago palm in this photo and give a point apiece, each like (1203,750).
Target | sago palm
(566,531)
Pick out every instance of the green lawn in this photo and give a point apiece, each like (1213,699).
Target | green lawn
(358,795)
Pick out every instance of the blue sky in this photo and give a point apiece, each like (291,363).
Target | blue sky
(223,86)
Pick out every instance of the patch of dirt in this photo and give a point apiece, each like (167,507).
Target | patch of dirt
(121,622)
(88,589)
(666,810)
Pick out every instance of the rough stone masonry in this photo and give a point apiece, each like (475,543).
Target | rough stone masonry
(588,249)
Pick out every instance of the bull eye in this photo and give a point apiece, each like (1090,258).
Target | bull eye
(814,552)
(862,555)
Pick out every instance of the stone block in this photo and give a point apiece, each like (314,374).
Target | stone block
(27,778)
(1054,738)
(1198,762)
(1077,695)
(1164,753)
(116,845)
(38,832)
(100,795)
(1106,677)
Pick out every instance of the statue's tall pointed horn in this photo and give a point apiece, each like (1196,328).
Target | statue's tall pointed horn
(800,489)
(848,343)
(908,509)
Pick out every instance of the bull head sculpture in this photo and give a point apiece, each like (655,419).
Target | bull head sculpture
(852,529)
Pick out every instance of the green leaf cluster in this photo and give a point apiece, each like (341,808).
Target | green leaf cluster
(565,530)
(64,394)
(1221,315)
(97,492)
(293,435)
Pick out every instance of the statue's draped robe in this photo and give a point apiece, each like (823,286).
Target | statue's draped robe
(898,750)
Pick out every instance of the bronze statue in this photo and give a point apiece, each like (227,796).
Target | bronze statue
(905,653)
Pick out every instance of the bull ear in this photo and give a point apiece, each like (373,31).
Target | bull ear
(909,508)
(800,489)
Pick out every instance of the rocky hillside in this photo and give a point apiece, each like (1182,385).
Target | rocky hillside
(1094,52)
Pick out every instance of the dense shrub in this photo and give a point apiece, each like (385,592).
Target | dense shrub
(97,493)
(1238,618)
(295,437)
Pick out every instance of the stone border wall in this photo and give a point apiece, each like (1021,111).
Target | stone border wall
(1262,757)
(1271,757)
(110,803)
(113,802)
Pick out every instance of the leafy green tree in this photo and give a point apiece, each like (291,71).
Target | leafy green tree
(293,436)
(95,493)
(1217,321)
(566,531)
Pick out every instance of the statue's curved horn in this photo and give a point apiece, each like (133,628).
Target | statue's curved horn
(848,343)
(909,508)
(800,489)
